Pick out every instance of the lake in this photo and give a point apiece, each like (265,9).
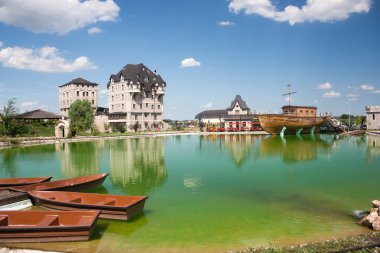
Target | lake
(215,193)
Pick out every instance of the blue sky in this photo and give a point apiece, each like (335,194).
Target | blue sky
(206,51)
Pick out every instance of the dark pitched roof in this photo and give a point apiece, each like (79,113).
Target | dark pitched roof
(38,114)
(241,102)
(211,113)
(138,73)
(80,80)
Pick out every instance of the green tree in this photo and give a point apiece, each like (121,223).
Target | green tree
(81,116)
(8,116)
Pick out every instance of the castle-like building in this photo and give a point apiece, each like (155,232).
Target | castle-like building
(78,88)
(136,98)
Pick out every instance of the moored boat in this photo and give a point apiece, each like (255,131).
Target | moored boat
(47,226)
(120,207)
(72,184)
(10,200)
(6,182)
(293,120)
(289,124)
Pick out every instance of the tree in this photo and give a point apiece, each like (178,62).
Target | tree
(81,116)
(8,116)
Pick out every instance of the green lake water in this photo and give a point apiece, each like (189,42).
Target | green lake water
(215,193)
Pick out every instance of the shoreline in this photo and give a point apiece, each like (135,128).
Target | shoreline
(8,142)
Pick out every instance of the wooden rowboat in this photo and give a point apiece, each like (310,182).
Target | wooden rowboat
(5,182)
(73,184)
(118,207)
(46,226)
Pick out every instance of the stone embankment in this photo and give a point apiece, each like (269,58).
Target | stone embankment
(372,220)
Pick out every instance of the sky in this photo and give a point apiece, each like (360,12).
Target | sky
(207,51)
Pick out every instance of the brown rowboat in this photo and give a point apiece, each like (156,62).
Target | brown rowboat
(118,207)
(6,182)
(46,226)
(72,184)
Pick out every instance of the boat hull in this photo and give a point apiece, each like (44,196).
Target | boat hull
(73,184)
(46,226)
(119,207)
(273,123)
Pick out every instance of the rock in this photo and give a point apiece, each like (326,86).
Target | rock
(375,203)
(369,219)
(376,224)
(359,214)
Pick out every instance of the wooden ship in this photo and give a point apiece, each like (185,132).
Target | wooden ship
(293,120)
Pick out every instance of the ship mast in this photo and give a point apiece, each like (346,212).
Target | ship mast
(288,94)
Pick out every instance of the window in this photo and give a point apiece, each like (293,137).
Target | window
(146,115)
(93,94)
(92,102)
(112,107)
(146,105)
(152,106)
(84,93)
(136,117)
(112,98)
(159,106)
(134,106)
(141,106)
(155,117)
(122,106)
(373,116)
(77,93)
(122,96)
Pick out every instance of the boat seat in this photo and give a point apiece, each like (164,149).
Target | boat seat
(107,202)
(76,200)
(49,220)
(4,220)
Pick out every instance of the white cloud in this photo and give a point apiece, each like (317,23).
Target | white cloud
(324,86)
(44,59)
(367,87)
(376,92)
(31,105)
(352,95)
(331,94)
(93,30)
(313,10)
(225,23)
(208,105)
(63,16)
(189,62)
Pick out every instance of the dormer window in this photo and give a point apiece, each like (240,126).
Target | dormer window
(146,79)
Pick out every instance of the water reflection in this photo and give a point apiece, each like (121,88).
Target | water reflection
(10,158)
(78,158)
(373,147)
(137,165)
(239,146)
(294,149)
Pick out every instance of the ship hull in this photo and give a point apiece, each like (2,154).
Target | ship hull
(274,123)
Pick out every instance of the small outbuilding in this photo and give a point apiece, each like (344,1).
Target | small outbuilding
(37,115)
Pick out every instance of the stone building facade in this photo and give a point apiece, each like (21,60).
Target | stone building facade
(373,117)
(237,117)
(78,88)
(136,98)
